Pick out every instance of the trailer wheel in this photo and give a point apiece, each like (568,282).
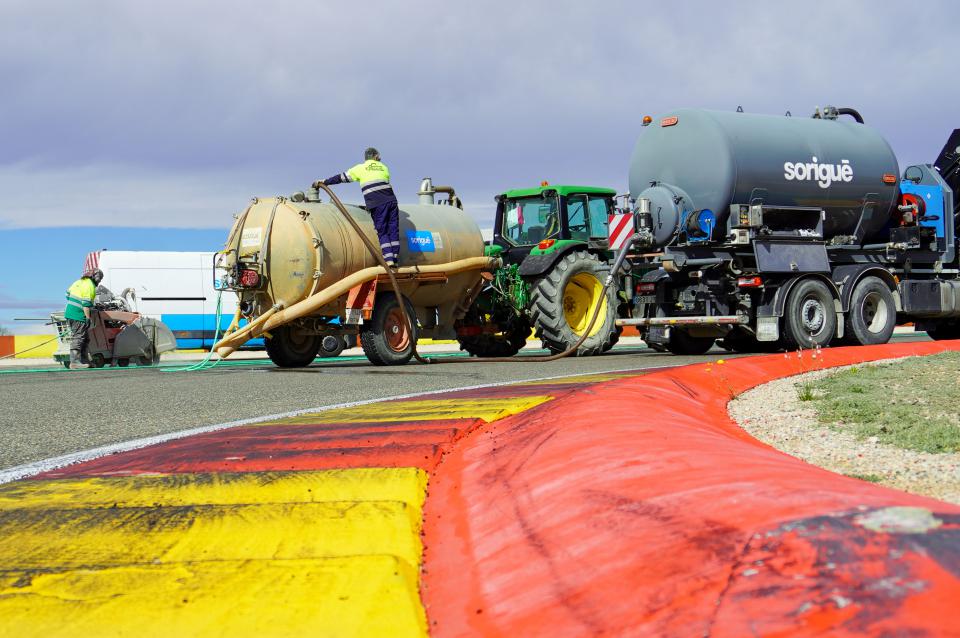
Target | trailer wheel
(385,339)
(563,301)
(872,315)
(940,330)
(288,349)
(809,318)
(682,342)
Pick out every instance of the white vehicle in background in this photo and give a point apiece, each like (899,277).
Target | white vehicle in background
(174,287)
(178,289)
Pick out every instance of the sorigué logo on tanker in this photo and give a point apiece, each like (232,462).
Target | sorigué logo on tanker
(420,241)
(823,174)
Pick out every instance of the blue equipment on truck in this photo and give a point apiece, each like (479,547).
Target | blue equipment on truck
(779,232)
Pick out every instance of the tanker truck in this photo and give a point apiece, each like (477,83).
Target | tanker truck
(770,232)
(301,273)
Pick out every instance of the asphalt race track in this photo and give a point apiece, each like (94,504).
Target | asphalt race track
(40,420)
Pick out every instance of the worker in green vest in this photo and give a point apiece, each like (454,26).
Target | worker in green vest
(380,200)
(80,297)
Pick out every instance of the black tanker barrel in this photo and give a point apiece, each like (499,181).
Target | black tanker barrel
(712,159)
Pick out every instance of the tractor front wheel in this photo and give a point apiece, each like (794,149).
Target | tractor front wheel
(484,335)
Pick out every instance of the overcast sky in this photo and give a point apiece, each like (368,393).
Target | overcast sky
(173,114)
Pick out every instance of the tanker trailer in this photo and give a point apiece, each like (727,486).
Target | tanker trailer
(784,232)
(301,273)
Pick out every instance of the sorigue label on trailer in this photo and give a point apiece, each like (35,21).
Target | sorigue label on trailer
(824,174)
(420,241)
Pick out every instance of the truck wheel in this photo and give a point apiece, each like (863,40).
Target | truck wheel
(739,340)
(872,315)
(941,330)
(288,349)
(331,346)
(386,339)
(564,300)
(682,342)
(809,318)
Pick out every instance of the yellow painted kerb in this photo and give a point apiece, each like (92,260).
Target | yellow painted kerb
(488,410)
(331,553)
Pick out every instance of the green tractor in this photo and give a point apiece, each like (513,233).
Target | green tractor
(553,243)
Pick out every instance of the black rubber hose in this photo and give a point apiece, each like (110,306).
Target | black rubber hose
(854,113)
(378,256)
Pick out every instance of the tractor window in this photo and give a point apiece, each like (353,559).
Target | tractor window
(528,220)
(577,220)
(599,216)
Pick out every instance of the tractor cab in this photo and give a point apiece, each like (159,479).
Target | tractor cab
(553,243)
(549,219)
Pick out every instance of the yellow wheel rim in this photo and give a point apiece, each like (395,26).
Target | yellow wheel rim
(580,298)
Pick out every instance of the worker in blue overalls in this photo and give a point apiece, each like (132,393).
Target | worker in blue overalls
(374,178)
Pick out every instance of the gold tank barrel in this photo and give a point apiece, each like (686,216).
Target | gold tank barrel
(300,248)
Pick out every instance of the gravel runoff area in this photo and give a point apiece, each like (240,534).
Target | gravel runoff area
(775,414)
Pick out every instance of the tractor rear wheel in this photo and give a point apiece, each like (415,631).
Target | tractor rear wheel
(563,302)
(288,349)
(386,339)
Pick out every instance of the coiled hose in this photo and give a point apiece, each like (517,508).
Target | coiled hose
(378,256)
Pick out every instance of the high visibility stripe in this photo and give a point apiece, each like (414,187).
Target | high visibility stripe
(367,189)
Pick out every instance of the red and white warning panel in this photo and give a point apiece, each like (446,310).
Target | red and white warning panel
(619,229)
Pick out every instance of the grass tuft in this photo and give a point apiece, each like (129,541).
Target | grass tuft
(870,478)
(911,404)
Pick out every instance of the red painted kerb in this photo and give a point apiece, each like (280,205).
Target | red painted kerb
(637,507)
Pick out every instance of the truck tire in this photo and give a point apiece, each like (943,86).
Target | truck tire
(809,318)
(940,330)
(872,315)
(682,342)
(385,339)
(290,350)
(739,340)
(331,346)
(563,301)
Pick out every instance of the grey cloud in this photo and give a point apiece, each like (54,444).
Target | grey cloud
(204,104)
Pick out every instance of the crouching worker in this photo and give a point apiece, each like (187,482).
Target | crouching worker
(374,178)
(80,297)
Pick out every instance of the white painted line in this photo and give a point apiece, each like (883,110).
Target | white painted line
(38,467)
